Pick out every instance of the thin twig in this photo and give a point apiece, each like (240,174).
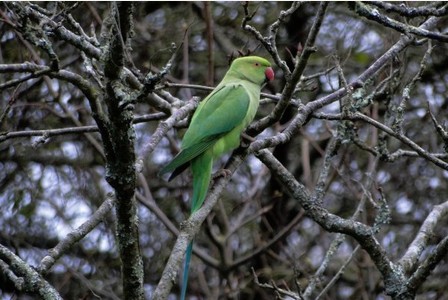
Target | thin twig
(72,130)
(294,77)
(75,236)
(357,116)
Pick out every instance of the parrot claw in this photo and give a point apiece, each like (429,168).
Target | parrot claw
(222,172)
(246,140)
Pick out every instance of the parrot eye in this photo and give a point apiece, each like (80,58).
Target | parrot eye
(257,64)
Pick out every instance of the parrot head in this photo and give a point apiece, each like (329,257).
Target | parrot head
(253,68)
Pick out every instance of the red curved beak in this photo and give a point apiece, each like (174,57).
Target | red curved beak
(269,73)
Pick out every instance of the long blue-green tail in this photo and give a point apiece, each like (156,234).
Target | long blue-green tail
(202,172)
(186,268)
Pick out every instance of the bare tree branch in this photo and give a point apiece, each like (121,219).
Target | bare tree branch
(75,236)
(293,79)
(372,14)
(426,267)
(362,233)
(25,278)
(432,9)
(434,158)
(410,259)
(72,130)
(118,138)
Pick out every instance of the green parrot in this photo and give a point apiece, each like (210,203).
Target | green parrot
(216,128)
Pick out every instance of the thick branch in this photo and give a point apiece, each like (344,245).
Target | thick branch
(424,270)
(332,223)
(410,258)
(118,138)
(26,277)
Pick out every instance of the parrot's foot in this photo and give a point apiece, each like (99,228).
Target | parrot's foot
(246,140)
(222,173)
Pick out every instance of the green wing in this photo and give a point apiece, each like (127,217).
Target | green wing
(181,160)
(222,111)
